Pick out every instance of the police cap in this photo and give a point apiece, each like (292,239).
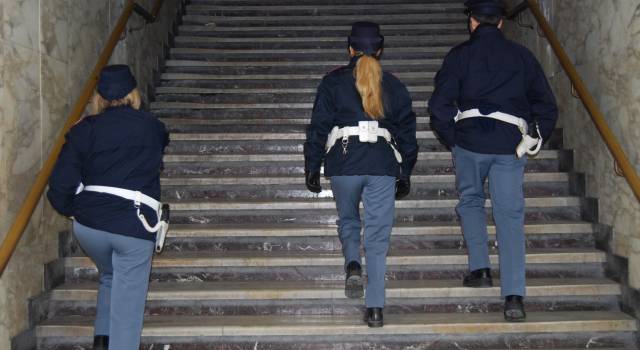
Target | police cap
(115,82)
(485,7)
(365,37)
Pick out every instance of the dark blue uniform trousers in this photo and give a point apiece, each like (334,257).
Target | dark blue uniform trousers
(506,174)
(378,198)
(124,264)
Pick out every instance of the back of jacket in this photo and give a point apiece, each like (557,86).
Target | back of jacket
(338,103)
(492,74)
(121,147)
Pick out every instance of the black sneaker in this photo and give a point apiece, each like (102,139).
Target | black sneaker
(373,317)
(353,283)
(514,309)
(480,278)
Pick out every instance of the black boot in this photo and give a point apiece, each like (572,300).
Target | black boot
(480,278)
(514,309)
(373,317)
(353,283)
(101,342)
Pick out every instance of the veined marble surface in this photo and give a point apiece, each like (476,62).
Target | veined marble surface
(47,50)
(603,40)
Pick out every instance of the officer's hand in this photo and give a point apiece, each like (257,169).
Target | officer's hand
(403,187)
(312,180)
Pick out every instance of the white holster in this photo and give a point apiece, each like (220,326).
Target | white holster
(367,131)
(528,145)
(138,198)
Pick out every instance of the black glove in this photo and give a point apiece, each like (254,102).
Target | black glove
(312,180)
(403,187)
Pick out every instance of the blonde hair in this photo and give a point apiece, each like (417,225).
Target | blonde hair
(368,74)
(99,103)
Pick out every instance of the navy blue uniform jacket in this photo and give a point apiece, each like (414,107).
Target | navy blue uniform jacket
(491,73)
(338,103)
(121,147)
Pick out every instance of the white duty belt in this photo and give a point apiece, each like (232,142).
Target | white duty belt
(138,198)
(367,131)
(527,143)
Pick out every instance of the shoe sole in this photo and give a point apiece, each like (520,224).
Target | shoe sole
(353,287)
(514,316)
(374,324)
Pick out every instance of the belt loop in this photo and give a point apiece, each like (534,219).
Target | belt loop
(137,200)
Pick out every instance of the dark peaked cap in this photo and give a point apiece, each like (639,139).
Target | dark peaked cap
(485,7)
(365,37)
(115,82)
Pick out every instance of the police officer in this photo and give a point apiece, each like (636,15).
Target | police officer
(491,100)
(366,115)
(118,150)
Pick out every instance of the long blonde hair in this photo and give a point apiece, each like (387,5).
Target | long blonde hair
(99,103)
(368,74)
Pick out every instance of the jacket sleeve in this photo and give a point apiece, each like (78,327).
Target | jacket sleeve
(67,173)
(319,128)
(443,102)
(406,132)
(544,108)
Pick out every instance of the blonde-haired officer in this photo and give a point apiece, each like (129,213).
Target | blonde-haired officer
(364,129)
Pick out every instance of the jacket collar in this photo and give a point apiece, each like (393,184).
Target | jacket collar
(486,30)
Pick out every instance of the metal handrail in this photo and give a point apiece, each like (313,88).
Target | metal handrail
(626,168)
(33,197)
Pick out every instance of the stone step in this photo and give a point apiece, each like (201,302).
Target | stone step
(422,156)
(297,180)
(453,16)
(224,141)
(321,203)
(395,258)
(313,42)
(242,165)
(191,76)
(351,326)
(299,192)
(316,2)
(328,298)
(245,86)
(280,124)
(241,98)
(301,290)
(428,236)
(434,264)
(322,10)
(397,53)
(229,30)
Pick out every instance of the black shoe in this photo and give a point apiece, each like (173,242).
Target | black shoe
(480,278)
(373,317)
(101,342)
(353,283)
(514,309)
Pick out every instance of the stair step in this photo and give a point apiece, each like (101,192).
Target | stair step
(544,154)
(301,54)
(188,76)
(320,204)
(454,16)
(313,42)
(352,326)
(280,259)
(433,229)
(320,10)
(284,122)
(297,180)
(315,2)
(287,290)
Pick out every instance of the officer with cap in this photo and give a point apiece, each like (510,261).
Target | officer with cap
(364,129)
(119,148)
(491,105)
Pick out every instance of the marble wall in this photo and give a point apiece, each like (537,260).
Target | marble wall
(602,38)
(47,49)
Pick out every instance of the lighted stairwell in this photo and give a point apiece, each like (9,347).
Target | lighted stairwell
(253,260)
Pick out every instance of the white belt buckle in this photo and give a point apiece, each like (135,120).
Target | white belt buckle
(368,131)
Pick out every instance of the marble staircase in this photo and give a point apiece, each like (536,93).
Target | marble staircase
(253,260)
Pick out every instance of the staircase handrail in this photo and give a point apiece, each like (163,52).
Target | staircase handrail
(626,168)
(29,204)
